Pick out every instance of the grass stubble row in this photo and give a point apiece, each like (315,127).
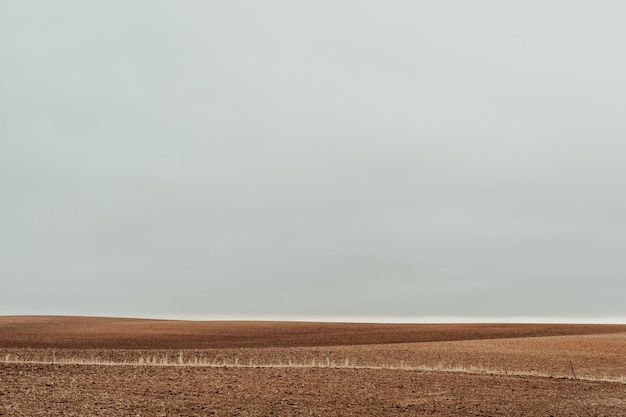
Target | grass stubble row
(555,367)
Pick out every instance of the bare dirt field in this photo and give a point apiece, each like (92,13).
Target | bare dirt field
(77,366)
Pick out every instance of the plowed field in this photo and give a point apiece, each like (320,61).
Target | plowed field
(73,366)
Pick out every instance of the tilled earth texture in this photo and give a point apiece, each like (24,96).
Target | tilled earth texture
(121,367)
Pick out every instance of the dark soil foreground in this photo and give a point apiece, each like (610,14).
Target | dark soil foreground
(70,390)
(518,369)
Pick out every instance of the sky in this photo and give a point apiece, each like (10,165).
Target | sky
(339,159)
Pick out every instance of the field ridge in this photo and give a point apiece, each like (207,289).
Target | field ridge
(126,333)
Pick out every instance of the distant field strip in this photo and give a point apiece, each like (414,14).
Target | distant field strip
(323,363)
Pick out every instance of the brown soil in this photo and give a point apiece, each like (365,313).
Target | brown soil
(54,390)
(548,356)
(116,333)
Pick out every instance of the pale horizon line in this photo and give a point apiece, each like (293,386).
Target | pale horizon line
(395,319)
(355,318)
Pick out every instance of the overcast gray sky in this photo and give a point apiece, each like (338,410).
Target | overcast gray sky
(322,158)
